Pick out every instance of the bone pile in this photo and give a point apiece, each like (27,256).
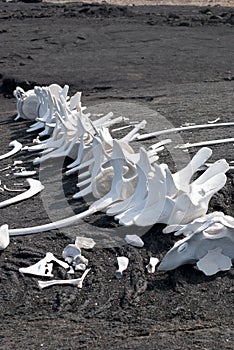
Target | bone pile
(133,187)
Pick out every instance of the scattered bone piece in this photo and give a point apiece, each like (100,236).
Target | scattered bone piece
(80,267)
(122,266)
(84,242)
(17,146)
(44,267)
(17,162)
(4,237)
(70,252)
(6,168)
(134,240)
(152,264)
(213,121)
(35,187)
(50,257)
(13,189)
(204,143)
(78,282)
(25,173)
(70,271)
(41,268)
(213,262)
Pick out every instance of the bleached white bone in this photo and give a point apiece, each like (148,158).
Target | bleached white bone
(134,240)
(143,169)
(152,264)
(50,257)
(12,189)
(35,187)
(25,173)
(184,128)
(122,266)
(27,104)
(16,148)
(4,237)
(84,242)
(205,143)
(44,267)
(70,252)
(119,189)
(213,262)
(182,177)
(207,234)
(78,282)
(41,268)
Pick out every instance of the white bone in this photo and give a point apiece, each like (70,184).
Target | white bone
(17,162)
(70,252)
(152,264)
(12,190)
(41,268)
(35,187)
(213,121)
(17,146)
(134,240)
(213,262)
(78,282)
(184,128)
(206,235)
(25,173)
(4,237)
(44,267)
(122,266)
(50,257)
(80,267)
(27,104)
(205,143)
(84,242)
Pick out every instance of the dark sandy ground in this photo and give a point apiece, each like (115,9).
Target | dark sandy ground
(174,60)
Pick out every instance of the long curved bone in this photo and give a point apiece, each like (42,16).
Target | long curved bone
(35,187)
(17,146)
(211,235)
(205,143)
(183,128)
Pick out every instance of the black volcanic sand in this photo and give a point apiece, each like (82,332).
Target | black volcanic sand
(177,61)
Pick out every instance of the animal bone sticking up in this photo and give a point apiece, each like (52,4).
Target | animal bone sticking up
(210,239)
(122,264)
(152,264)
(4,237)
